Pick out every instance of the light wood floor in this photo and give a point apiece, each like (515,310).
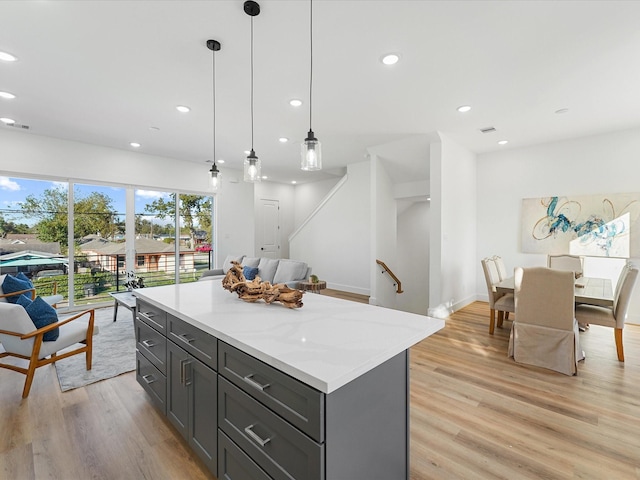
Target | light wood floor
(475,415)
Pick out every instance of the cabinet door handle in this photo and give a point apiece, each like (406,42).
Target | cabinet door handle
(249,379)
(148,343)
(184,380)
(148,379)
(185,337)
(249,431)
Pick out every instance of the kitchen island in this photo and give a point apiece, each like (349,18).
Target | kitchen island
(261,391)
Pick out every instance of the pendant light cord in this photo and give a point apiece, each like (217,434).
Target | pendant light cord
(214,107)
(311,58)
(252,83)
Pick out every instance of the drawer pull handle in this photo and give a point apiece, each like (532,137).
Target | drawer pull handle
(148,314)
(185,337)
(249,379)
(249,431)
(148,379)
(148,343)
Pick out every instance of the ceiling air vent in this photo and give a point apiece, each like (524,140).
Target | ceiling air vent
(18,125)
(488,130)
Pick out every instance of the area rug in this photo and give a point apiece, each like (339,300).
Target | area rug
(114,352)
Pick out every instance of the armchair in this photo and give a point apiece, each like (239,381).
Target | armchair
(50,299)
(21,339)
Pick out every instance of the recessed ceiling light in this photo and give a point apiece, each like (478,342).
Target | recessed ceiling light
(183,109)
(390,59)
(7,57)
(283,139)
(562,110)
(7,95)
(154,129)
(135,144)
(464,108)
(503,142)
(293,182)
(247,152)
(264,177)
(295,102)
(221,161)
(8,121)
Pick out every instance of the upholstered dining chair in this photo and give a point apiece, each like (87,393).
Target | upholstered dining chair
(571,263)
(502,303)
(502,270)
(613,317)
(545,332)
(21,339)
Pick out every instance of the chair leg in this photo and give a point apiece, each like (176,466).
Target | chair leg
(492,321)
(506,315)
(500,318)
(619,348)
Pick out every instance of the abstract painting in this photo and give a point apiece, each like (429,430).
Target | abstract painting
(593,225)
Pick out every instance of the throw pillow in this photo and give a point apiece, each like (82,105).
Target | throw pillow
(12,284)
(41,314)
(250,272)
(24,278)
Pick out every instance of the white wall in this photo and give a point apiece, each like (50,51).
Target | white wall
(285,195)
(590,165)
(336,240)
(234,217)
(413,258)
(308,196)
(453,219)
(383,236)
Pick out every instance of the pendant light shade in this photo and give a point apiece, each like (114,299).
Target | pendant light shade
(311,148)
(252,165)
(214,46)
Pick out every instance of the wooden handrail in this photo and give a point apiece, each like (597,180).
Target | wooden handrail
(391,274)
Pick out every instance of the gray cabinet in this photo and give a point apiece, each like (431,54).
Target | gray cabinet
(192,402)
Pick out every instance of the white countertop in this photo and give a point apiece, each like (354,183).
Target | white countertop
(325,344)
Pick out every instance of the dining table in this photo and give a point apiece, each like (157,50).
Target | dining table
(588,290)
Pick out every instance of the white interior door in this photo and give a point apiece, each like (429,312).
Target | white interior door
(269,228)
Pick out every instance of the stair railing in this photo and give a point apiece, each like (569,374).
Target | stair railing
(386,269)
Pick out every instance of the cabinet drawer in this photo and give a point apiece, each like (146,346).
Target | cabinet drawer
(280,449)
(154,382)
(296,402)
(152,344)
(234,464)
(198,343)
(152,315)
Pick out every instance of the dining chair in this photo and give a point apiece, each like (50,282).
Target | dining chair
(545,332)
(613,317)
(571,263)
(21,339)
(503,303)
(502,270)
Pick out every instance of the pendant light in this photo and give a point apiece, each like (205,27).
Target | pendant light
(311,148)
(252,162)
(214,46)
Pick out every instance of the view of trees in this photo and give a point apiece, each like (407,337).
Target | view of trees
(94,214)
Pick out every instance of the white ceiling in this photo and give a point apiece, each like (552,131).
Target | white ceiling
(104,72)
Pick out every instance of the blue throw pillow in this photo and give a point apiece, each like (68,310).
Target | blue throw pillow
(12,284)
(41,314)
(250,272)
(24,278)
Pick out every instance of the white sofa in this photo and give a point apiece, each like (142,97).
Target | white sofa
(273,270)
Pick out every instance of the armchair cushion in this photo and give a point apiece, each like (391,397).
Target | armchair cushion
(12,284)
(250,272)
(41,314)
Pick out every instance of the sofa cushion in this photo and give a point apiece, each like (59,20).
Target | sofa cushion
(267,269)
(226,265)
(251,262)
(289,270)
